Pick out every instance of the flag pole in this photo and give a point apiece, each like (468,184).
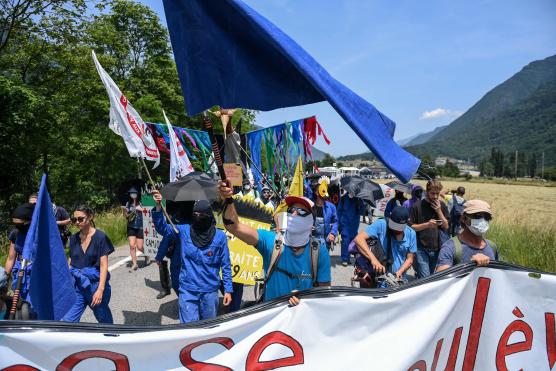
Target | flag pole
(17,291)
(154,187)
(215,150)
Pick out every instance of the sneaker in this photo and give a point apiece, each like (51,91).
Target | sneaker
(344,264)
(134,267)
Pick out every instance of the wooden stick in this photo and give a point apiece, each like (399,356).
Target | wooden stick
(154,187)
(15,298)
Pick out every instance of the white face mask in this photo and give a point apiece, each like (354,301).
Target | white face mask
(298,230)
(479,226)
(133,195)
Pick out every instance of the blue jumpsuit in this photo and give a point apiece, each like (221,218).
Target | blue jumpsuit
(19,242)
(200,270)
(175,261)
(328,224)
(349,211)
(85,269)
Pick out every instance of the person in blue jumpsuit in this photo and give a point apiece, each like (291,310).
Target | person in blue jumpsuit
(21,218)
(167,244)
(326,218)
(89,249)
(349,210)
(204,251)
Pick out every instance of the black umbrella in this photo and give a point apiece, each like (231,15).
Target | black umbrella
(194,186)
(405,188)
(362,188)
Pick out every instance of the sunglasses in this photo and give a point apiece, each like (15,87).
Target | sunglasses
(79,219)
(300,211)
(200,215)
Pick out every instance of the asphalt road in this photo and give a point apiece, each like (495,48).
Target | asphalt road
(134,293)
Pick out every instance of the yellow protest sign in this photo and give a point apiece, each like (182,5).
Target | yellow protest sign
(247,263)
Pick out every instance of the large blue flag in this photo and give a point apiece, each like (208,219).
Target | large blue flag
(229,55)
(51,289)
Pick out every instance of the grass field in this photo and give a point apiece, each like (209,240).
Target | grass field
(524,224)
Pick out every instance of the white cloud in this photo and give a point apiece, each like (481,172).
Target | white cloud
(440,113)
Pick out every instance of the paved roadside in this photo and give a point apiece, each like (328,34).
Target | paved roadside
(134,293)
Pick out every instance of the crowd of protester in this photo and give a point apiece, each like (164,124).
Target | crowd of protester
(418,236)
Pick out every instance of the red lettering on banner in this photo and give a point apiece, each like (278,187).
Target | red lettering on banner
(476,324)
(550,339)
(504,349)
(418,366)
(436,354)
(20,368)
(453,356)
(136,129)
(187,360)
(120,361)
(253,362)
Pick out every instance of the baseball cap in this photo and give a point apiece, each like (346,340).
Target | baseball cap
(476,206)
(398,218)
(290,200)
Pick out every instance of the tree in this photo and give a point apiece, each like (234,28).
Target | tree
(327,160)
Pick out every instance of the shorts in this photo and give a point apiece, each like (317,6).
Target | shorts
(135,232)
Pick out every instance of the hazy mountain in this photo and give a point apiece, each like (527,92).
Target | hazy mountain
(420,138)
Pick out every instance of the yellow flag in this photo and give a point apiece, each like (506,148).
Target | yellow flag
(296,187)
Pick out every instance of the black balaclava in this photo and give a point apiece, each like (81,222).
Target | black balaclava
(25,213)
(203,226)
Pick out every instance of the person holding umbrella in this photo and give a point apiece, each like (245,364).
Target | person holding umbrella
(204,252)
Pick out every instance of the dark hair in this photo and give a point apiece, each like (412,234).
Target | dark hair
(87,210)
(460,191)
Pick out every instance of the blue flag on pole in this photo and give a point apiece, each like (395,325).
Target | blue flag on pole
(51,289)
(229,55)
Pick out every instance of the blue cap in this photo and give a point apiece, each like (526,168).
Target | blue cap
(398,218)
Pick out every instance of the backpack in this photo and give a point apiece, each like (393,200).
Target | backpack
(458,253)
(457,209)
(314,245)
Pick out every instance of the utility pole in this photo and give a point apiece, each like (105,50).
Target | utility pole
(515,165)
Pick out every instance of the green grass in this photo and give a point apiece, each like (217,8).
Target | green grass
(521,244)
(114,224)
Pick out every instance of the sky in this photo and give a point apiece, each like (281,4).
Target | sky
(421,63)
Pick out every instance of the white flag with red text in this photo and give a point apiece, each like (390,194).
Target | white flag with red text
(126,122)
(179,162)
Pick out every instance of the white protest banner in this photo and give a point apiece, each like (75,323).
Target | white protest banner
(126,122)
(381,204)
(150,237)
(179,162)
(498,318)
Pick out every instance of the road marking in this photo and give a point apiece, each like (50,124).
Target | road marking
(122,262)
